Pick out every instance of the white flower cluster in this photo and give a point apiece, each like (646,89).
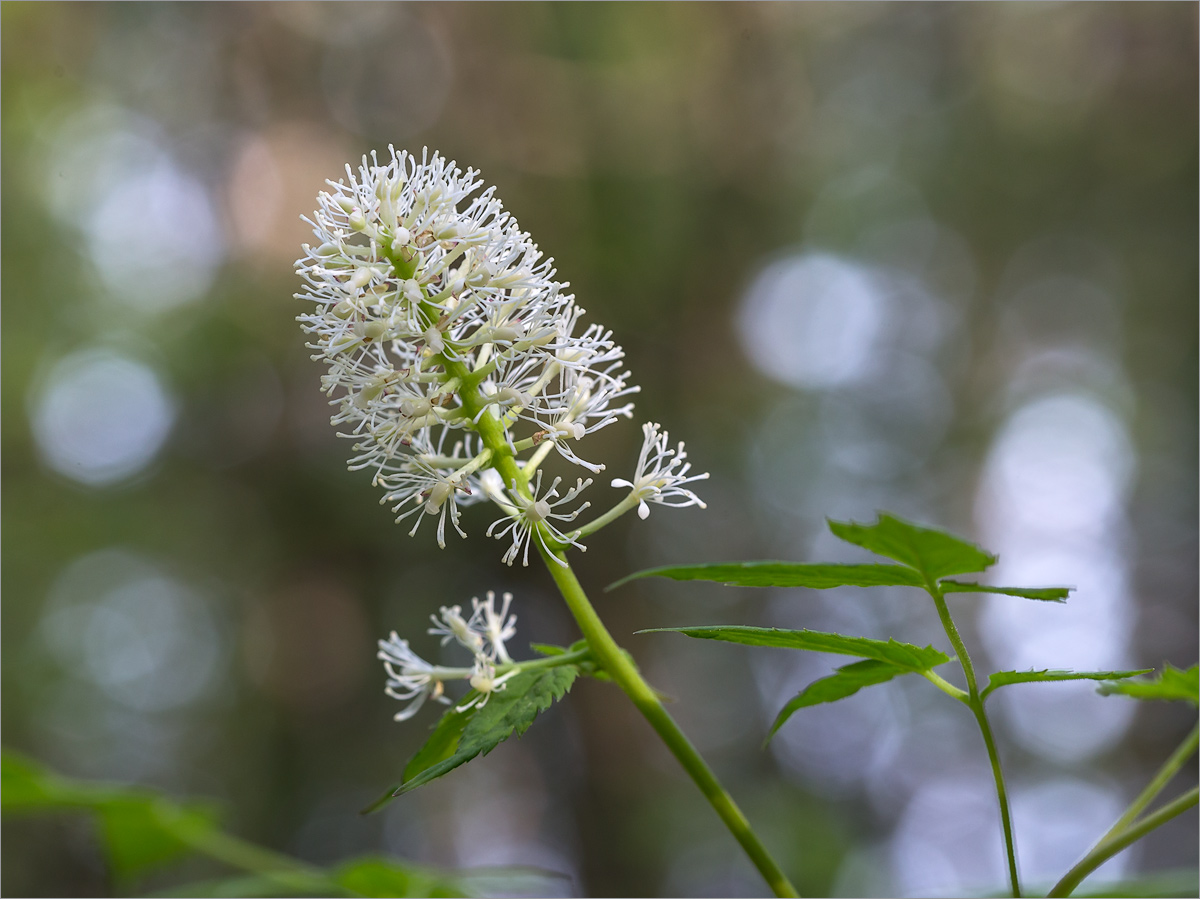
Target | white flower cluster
(413,680)
(426,292)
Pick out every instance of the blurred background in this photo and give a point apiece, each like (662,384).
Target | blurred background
(936,259)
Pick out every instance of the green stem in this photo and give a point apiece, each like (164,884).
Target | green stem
(609,655)
(565,658)
(948,688)
(1172,765)
(288,872)
(625,674)
(1107,848)
(975,703)
(1182,753)
(625,505)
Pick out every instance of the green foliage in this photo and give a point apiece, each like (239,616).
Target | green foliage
(935,554)
(846,681)
(902,655)
(785,574)
(1171,683)
(462,735)
(1045,594)
(1004,678)
(374,876)
(927,557)
(883,660)
(140,829)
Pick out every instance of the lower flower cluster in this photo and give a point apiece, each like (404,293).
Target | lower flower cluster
(413,680)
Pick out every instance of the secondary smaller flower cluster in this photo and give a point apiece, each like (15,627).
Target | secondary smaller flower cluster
(413,680)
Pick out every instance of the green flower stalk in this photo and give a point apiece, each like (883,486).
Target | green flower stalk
(456,364)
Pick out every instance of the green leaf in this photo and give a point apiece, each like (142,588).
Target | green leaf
(1004,678)
(1045,594)
(902,655)
(934,553)
(444,739)
(143,832)
(139,828)
(1171,683)
(373,876)
(548,649)
(785,574)
(846,681)
(25,785)
(480,730)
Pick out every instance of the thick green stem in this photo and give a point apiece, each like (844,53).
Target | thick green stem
(975,703)
(1107,848)
(625,674)
(1172,765)
(1156,785)
(609,655)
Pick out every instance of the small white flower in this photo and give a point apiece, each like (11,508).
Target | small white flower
(410,678)
(430,491)
(496,627)
(529,516)
(485,682)
(661,474)
(452,626)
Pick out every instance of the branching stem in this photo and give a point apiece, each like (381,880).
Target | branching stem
(1125,832)
(611,658)
(975,703)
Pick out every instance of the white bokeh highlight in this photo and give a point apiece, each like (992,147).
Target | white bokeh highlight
(100,417)
(1051,503)
(145,640)
(812,320)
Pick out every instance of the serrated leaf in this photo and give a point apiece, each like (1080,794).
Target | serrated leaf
(785,574)
(1045,594)
(902,655)
(846,681)
(934,553)
(1170,684)
(507,711)
(444,739)
(1045,675)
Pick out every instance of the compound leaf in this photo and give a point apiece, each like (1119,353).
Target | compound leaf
(902,655)
(1045,594)
(1171,683)
(785,574)
(934,553)
(846,681)
(1004,678)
